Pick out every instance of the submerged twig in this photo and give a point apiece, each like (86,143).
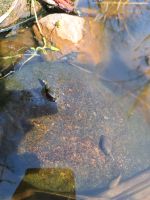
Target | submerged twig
(7,74)
(36,18)
(32,56)
(103,78)
(80,68)
(16,25)
(38,24)
(142,41)
(118,6)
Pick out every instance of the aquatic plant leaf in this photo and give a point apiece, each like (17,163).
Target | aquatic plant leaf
(53,48)
(32,48)
(58,24)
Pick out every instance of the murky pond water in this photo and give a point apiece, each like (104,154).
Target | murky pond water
(110,98)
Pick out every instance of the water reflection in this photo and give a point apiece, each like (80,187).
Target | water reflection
(16,113)
(32,105)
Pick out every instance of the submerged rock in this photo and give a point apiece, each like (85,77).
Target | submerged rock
(71,27)
(74,34)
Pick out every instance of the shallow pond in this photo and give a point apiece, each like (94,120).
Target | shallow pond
(111,98)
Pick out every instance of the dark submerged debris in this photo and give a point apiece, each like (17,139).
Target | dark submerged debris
(6,73)
(106,146)
(47,91)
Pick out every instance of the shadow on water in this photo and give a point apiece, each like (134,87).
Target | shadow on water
(121,78)
(16,110)
(4,94)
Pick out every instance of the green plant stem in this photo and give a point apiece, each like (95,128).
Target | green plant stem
(38,24)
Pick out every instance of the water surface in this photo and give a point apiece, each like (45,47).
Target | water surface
(109,98)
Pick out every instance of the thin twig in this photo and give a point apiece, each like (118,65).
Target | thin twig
(36,18)
(16,25)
